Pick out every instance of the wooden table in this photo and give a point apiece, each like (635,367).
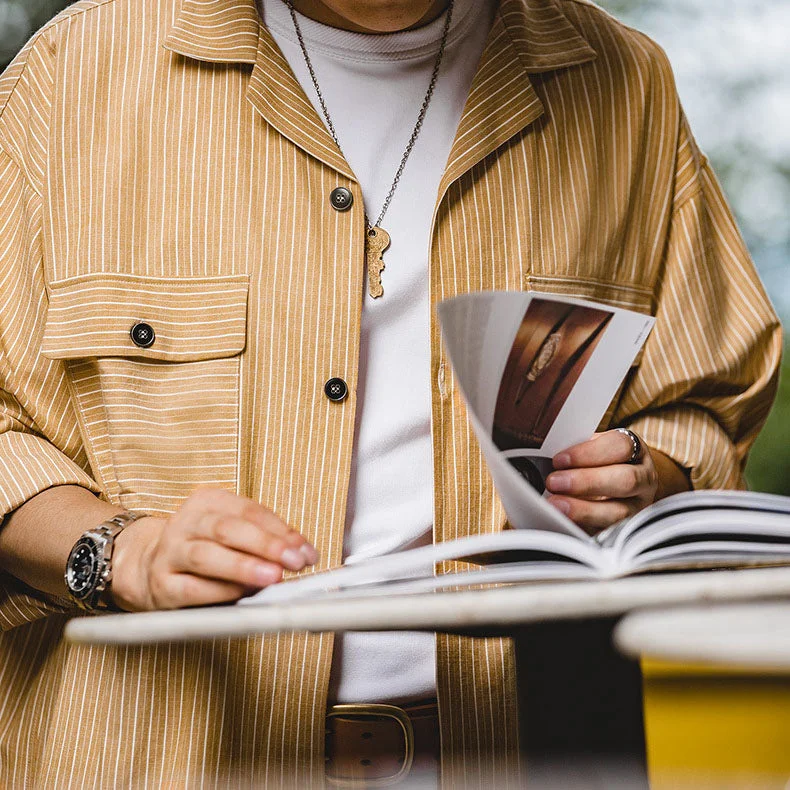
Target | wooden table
(584,698)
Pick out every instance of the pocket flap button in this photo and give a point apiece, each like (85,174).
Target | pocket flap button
(143,335)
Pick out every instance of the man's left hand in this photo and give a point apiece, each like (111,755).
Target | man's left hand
(595,485)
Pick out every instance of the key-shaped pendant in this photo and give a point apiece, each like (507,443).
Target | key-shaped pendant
(378,243)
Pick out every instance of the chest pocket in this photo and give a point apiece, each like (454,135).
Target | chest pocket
(154,371)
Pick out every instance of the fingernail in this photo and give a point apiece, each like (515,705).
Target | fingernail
(293,559)
(266,575)
(561,505)
(309,553)
(558,483)
(562,461)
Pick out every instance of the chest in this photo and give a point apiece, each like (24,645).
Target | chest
(219,231)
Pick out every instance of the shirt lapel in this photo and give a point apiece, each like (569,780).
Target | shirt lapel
(230,31)
(528,37)
(277,95)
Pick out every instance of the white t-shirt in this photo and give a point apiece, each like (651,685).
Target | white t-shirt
(373,86)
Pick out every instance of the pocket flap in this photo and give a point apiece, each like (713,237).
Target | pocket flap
(639,298)
(193,318)
(629,296)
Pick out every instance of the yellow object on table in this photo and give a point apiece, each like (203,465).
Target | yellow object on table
(722,728)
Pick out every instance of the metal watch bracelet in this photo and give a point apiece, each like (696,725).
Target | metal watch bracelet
(89,567)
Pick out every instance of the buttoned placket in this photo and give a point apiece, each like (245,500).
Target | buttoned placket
(278,97)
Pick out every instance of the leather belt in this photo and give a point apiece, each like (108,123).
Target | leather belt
(372,745)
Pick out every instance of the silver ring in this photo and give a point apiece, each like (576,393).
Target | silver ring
(636,455)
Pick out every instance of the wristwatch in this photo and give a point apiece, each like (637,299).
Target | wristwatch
(89,567)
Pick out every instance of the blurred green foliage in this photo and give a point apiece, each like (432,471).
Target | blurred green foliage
(736,158)
(769,464)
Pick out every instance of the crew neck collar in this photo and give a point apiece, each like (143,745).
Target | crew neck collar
(346,44)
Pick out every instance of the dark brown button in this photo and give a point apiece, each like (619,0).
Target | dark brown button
(336,390)
(341,199)
(142,334)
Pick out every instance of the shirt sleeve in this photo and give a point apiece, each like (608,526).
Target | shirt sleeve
(710,368)
(40,444)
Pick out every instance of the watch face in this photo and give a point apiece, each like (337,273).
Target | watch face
(83,566)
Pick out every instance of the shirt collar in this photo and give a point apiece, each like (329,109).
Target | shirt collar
(218,31)
(228,31)
(528,37)
(543,36)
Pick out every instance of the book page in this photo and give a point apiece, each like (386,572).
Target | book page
(537,372)
(691,506)
(739,530)
(707,555)
(519,555)
(544,570)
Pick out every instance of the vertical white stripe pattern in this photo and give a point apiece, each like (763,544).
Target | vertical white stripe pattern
(159,162)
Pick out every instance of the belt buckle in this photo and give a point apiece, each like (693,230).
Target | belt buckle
(387,712)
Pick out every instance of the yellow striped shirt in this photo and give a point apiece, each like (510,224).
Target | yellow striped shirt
(159,162)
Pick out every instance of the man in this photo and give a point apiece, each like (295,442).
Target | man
(191,202)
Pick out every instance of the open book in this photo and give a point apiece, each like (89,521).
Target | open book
(537,373)
(695,530)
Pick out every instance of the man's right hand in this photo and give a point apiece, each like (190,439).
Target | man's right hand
(217,548)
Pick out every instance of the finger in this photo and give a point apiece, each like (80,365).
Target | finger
(225,504)
(183,589)
(249,538)
(210,560)
(621,481)
(604,449)
(593,517)
(218,500)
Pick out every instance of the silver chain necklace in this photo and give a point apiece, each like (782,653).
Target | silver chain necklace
(378,240)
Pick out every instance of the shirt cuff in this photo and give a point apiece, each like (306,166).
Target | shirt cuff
(29,465)
(696,442)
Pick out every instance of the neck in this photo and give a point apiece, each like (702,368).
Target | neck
(385,16)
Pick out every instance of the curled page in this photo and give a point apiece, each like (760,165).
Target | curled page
(537,373)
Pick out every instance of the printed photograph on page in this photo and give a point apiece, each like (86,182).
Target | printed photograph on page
(553,345)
